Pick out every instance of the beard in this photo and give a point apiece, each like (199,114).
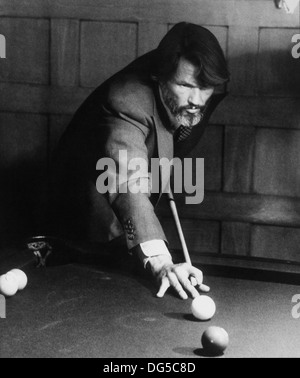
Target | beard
(180,112)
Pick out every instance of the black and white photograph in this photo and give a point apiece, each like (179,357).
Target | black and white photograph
(149,181)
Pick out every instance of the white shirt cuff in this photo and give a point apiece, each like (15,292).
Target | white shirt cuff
(153,248)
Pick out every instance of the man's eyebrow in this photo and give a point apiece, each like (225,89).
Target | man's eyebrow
(186,83)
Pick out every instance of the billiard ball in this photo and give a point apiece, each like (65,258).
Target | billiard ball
(8,284)
(215,340)
(21,277)
(203,307)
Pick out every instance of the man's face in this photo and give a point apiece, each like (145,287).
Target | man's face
(183,96)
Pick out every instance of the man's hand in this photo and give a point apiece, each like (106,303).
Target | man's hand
(177,276)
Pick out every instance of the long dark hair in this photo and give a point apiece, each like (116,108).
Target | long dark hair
(196,44)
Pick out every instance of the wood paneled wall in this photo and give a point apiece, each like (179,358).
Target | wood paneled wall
(59,50)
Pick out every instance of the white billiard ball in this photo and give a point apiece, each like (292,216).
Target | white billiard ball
(21,277)
(9,284)
(203,307)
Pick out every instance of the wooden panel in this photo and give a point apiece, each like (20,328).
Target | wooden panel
(279,72)
(218,12)
(200,236)
(221,33)
(106,47)
(276,243)
(239,147)
(258,111)
(271,210)
(27,51)
(210,148)
(150,34)
(235,238)
(243,45)
(64,52)
(23,139)
(57,125)
(41,99)
(277,162)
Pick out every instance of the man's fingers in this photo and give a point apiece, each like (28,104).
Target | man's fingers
(193,281)
(195,275)
(190,288)
(196,279)
(165,284)
(199,283)
(184,280)
(204,288)
(174,281)
(183,283)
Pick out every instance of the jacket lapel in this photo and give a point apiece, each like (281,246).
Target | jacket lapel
(164,136)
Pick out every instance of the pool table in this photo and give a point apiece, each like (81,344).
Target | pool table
(101,309)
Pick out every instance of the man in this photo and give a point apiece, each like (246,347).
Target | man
(140,111)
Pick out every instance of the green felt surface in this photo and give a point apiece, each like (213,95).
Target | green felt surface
(79,310)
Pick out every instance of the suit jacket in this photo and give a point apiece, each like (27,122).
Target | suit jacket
(124,113)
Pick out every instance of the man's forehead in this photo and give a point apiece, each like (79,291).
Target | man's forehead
(186,71)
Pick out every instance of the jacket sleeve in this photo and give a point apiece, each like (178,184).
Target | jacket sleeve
(125,134)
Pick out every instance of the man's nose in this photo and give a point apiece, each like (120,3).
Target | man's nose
(197,97)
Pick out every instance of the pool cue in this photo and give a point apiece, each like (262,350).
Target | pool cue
(180,232)
(178,227)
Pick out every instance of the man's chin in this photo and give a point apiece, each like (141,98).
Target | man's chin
(190,120)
